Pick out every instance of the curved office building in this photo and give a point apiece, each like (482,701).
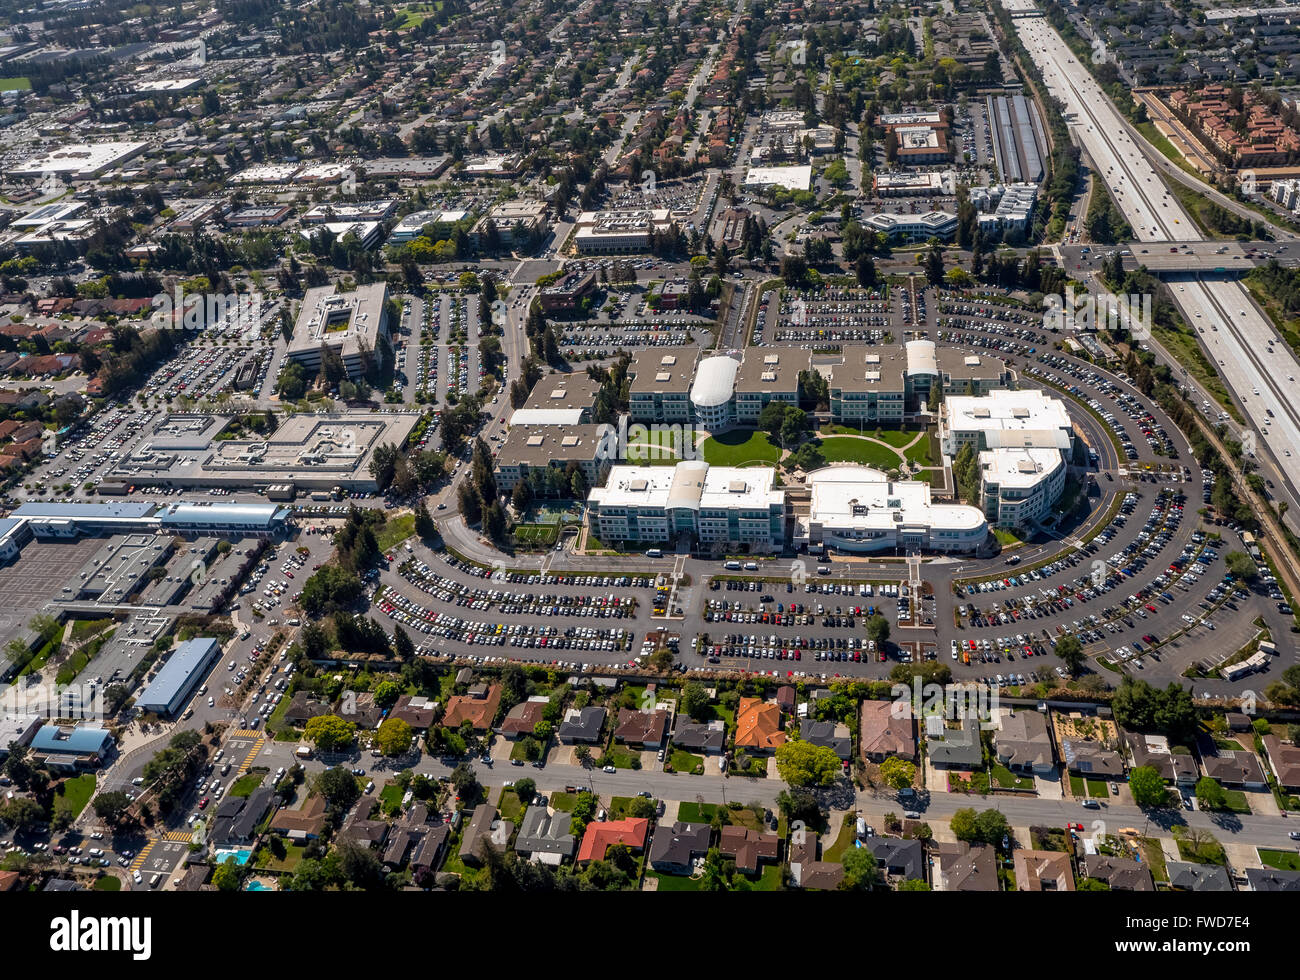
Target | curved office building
(715,383)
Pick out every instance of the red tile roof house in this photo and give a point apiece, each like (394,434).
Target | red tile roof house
(599,835)
(479,708)
(883,735)
(645,729)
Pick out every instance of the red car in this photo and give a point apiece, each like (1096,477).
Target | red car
(203,803)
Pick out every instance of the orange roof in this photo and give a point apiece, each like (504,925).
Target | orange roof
(599,836)
(758,724)
(479,712)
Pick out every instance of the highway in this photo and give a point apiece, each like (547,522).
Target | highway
(1255,363)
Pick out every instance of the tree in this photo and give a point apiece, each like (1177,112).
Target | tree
(963,824)
(387,693)
(425,528)
(466,783)
(339,787)
(1070,650)
(1242,566)
(695,700)
(111,807)
(1210,794)
(878,629)
(394,737)
(226,876)
(1148,788)
(524,789)
(804,764)
(330,733)
(860,870)
(897,773)
(641,808)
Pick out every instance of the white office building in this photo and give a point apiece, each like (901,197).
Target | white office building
(859,509)
(1018,487)
(722,508)
(712,390)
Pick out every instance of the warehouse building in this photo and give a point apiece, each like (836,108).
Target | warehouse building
(180,675)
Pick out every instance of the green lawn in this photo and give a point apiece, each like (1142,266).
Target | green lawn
(107,884)
(660,448)
(848,449)
(511,807)
(76,794)
(1236,801)
(619,757)
(843,842)
(1282,860)
(15,84)
(1007,538)
(245,784)
(1098,788)
(683,761)
(83,628)
(1210,852)
(266,861)
(675,883)
(922,452)
(395,531)
(563,801)
(390,797)
(769,880)
(740,447)
(1009,780)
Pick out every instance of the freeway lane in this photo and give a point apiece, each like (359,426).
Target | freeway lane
(1243,347)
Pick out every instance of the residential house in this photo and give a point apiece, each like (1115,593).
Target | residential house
(758,725)
(641,729)
(546,835)
(582,725)
(600,835)
(478,707)
(523,718)
(673,849)
(1023,743)
(239,817)
(708,737)
(1184,876)
(963,867)
(484,830)
(1156,752)
(303,707)
(1237,769)
(416,710)
(304,823)
(1085,757)
(887,731)
(953,748)
(360,829)
(898,858)
(1284,760)
(408,836)
(1121,874)
(748,848)
(1043,871)
(1272,880)
(828,734)
(806,870)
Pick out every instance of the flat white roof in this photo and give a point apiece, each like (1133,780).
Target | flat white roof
(1028,410)
(1019,468)
(861,498)
(692,484)
(791,178)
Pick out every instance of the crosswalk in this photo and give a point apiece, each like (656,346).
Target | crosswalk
(178,836)
(246,733)
(252,754)
(138,861)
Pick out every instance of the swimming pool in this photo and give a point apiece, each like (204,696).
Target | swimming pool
(241,855)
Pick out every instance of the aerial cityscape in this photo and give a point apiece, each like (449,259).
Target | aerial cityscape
(906,391)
